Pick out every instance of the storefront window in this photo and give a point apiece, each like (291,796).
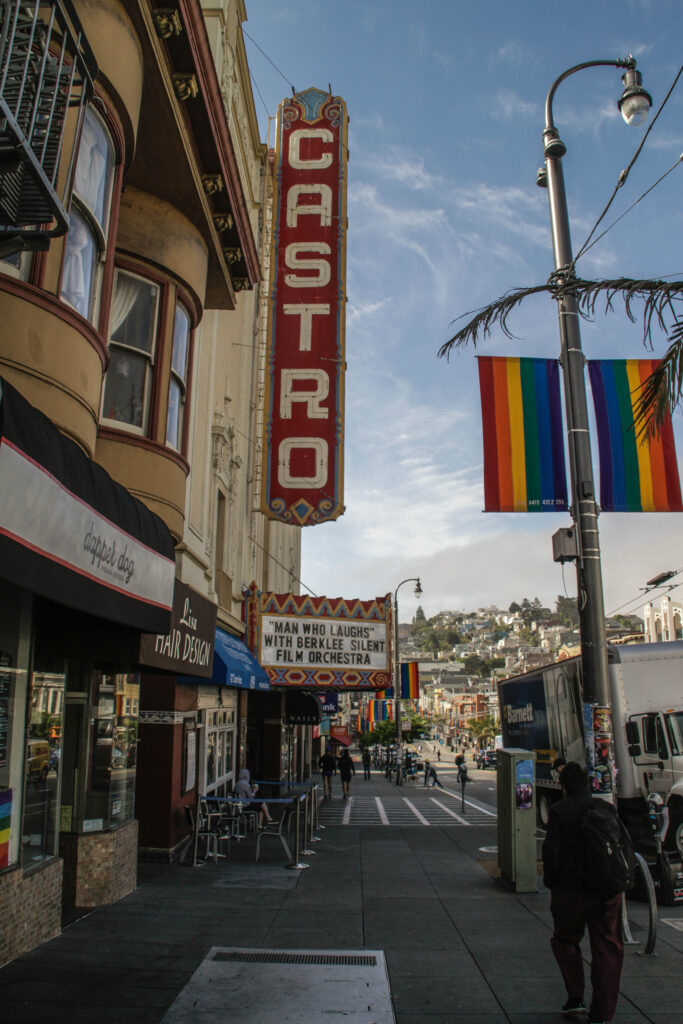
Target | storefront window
(101,753)
(43,767)
(220,745)
(15,643)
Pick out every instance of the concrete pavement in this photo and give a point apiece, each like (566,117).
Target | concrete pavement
(458,947)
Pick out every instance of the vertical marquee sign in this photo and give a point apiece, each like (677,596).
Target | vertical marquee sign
(304,434)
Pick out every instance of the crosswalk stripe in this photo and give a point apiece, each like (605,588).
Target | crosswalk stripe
(380,810)
(347,812)
(449,811)
(478,807)
(416,812)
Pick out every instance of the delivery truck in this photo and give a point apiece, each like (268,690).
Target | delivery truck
(543,710)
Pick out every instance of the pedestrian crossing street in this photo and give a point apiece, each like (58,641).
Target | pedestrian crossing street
(411,808)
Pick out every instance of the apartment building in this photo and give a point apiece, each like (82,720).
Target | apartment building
(131,369)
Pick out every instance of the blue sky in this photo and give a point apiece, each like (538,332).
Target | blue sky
(446,106)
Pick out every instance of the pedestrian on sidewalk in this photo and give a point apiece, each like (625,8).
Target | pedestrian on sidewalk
(434,777)
(346,770)
(574,907)
(327,767)
(366,763)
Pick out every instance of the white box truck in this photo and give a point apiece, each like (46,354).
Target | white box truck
(544,710)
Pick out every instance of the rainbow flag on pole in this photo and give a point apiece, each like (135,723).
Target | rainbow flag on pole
(524,467)
(410,680)
(637,473)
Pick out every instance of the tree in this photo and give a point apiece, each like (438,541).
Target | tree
(482,729)
(514,608)
(419,616)
(566,609)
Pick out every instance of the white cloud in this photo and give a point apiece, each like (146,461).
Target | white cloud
(509,106)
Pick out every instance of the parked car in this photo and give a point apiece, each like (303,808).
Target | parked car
(487,759)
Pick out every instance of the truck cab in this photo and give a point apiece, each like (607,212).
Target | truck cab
(655,746)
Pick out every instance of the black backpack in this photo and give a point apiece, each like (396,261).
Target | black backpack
(605,853)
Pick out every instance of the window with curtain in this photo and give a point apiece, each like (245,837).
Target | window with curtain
(178,384)
(132,337)
(89,216)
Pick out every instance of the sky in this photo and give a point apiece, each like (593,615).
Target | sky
(446,111)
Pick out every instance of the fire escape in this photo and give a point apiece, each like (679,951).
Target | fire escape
(46,80)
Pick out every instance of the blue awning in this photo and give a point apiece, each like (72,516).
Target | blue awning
(234,665)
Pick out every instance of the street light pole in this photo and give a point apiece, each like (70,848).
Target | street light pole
(634,104)
(397,677)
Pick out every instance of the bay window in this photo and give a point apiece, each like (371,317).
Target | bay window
(178,384)
(132,341)
(86,239)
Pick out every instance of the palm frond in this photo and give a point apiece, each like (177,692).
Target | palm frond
(484,321)
(663,391)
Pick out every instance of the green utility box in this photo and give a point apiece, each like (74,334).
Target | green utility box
(517,819)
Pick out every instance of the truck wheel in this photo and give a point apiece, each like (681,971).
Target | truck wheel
(674,834)
(543,810)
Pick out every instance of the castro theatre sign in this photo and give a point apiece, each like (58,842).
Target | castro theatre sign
(304,432)
(320,641)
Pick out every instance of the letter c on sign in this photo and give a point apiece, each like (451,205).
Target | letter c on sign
(284,475)
(295,159)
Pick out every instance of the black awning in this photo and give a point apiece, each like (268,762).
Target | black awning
(303,709)
(71,533)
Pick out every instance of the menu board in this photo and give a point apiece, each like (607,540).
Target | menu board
(5,684)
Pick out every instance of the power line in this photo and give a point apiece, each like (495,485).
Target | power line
(255,84)
(625,173)
(285,567)
(586,248)
(244,32)
(649,590)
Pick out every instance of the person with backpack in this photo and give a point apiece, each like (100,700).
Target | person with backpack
(346,770)
(587,865)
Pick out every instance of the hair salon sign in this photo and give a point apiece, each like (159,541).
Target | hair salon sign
(188,647)
(304,433)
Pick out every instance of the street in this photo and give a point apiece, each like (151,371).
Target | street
(415,804)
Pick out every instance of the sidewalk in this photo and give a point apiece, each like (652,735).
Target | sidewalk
(459,948)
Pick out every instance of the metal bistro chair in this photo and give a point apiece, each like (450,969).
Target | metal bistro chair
(217,820)
(210,838)
(244,819)
(277,828)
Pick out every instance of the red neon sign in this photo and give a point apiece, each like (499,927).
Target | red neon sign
(303,450)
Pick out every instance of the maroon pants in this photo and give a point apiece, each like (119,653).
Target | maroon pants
(573,911)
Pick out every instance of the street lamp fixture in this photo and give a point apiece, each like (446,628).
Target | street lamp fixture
(634,104)
(397,676)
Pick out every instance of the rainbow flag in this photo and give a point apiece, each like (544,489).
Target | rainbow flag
(524,467)
(5,818)
(637,473)
(386,694)
(410,680)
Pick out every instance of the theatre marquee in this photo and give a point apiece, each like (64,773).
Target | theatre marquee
(321,642)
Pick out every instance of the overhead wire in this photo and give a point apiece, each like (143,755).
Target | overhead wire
(586,248)
(649,590)
(263,52)
(625,173)
(285,567)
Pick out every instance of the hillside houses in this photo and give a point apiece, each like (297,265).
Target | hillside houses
(457,680)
